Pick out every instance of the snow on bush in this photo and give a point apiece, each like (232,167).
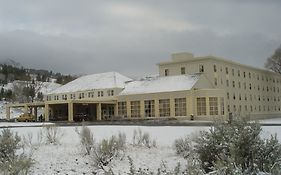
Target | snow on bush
(237,148)
(52,134)
(107,150)
(86,138)
(141,138)
(13,159)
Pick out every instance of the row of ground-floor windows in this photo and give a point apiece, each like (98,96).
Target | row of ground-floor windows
(149,108)
(213,106)
(165,110)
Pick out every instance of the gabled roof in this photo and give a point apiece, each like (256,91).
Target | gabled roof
(94,81)
(161,84)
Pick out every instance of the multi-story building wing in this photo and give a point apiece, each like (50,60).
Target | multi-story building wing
(249,90)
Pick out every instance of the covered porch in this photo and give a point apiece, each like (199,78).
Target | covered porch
(77,110)
(29,108)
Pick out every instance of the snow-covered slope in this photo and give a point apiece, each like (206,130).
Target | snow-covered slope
(44,87)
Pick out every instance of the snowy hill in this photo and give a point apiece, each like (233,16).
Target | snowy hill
(43,87)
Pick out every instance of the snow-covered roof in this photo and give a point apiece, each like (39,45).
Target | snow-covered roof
(161,84)
(94,81)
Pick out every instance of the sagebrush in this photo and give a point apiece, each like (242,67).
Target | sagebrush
(13,160)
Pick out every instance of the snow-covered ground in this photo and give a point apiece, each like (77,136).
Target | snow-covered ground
(68,157)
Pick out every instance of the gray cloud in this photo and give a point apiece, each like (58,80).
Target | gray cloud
(93,36)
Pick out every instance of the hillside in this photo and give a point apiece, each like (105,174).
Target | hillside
(20,84)
(11,71)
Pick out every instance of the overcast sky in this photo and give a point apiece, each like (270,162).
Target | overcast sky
(90,36)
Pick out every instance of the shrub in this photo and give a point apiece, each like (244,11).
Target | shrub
(183,147)
(52,134)
(236,147)
(86,138)
(162,170)
(108,149)
(143,139)
(12,159)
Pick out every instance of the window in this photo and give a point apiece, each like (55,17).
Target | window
(250,75)
(183,70)
(222,105)
(149,108)
(244,74)
(135,108)
(227,94)
(81,95)
(227,83)
(238,73)
(226,70)
(90,94)
(164,107)
(213,102)
(233,84)
(166,72)
(250,86)
(100,93)
(110,92)
(201,68)
(216,81)
(201,106)
(215,68)
(239,84)
(180,106)
(122,109)
(232,72)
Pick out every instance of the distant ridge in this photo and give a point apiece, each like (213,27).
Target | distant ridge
(10,62)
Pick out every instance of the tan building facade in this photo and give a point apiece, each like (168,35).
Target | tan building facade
(249,91)
(187,87)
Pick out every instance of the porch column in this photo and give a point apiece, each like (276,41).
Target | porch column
(142,113)
(208,107)
(219,106)
(25,109)
(156,108)
(35,112)
(70,112)
(47,112)
(8,112)
(128,103)
(99,111)
(116,109)
(172,107)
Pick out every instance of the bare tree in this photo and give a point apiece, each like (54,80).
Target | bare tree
(274,62)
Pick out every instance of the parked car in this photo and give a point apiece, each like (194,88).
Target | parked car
(79,117)
(26,118)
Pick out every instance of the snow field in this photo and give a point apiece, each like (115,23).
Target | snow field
(68,157)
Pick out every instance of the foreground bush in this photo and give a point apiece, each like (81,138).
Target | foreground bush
(13,161)
(108,149)
(141,138)
(52,134)
(237,148)
(86,139)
